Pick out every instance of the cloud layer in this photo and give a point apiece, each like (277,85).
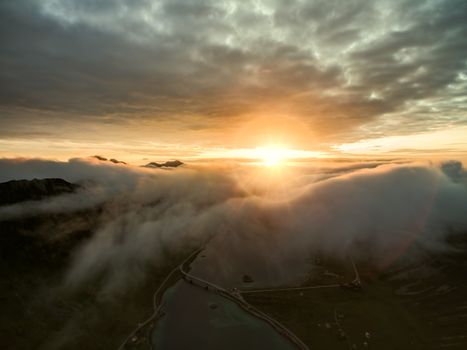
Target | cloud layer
(374,211)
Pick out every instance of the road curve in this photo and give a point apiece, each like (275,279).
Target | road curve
(356,283)
(237,298)
(156,296)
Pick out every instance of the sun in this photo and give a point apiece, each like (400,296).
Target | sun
(271,156)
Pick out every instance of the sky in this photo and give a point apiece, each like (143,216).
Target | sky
(143,80)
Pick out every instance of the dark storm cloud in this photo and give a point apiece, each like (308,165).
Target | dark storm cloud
(418,61)
(339,64)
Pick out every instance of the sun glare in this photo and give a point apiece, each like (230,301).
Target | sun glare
(271,155)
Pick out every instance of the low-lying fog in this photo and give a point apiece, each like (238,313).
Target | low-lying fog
(269,219)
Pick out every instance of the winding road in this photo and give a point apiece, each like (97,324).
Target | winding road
(234,295)
(156,305)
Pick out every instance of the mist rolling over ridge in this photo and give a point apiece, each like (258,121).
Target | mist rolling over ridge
(371,212)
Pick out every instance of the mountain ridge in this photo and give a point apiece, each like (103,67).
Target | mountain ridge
(16,191)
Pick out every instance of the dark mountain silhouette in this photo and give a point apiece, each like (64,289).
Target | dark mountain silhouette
(168,164)
(116,161)
(16,191)
(113,160)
